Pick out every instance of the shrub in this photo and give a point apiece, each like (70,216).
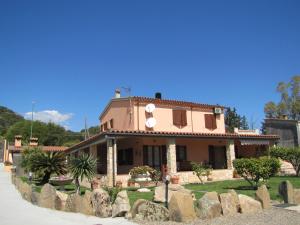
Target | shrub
(112,192)
(141,170)
(82,166)
(254,170)
(292,155)
(201,170)
(27,156)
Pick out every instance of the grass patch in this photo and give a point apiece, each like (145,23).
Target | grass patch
(133,195)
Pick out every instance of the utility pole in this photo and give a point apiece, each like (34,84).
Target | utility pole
(86,131)
(32,109)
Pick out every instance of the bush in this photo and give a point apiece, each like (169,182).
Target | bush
(201,170)
(140,170)
(254,170)
(292,155)
(112,192)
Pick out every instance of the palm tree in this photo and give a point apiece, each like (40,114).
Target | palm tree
(49,163)
(84,166)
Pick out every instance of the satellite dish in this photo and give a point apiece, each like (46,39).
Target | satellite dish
(150,108)
(151,122)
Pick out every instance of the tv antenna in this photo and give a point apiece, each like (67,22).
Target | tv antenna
(127,90)
(86,130)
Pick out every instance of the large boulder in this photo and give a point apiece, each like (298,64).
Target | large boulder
(35,196)
(286,190)
(47,196)
(208,206)
(297,196)
(181,207)
(262,195)
(228,203)
(160,192)
(101,203)
(248,204)
(71,203)
(149,211)
(121,205)
(60,200)
(235,198)
(84,204)
(25,190)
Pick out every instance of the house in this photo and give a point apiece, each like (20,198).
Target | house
(12,153)
(287,130)
(167,135)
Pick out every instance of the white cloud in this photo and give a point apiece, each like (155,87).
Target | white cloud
(53,116)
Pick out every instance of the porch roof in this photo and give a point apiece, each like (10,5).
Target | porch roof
(165,134)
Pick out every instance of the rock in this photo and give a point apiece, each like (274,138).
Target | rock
(25,190)
(160,192)
(70,205)
(181,207)
(35,196)
(136,205)
(228,203)
(101,203)
(60,200)
(263,196)
(248,204)
(84,203)
(297,196)
(121,205)
(47,196)
(286,191)
(128,216)
(236,199)
(208,206)
(144,190)
(149,211)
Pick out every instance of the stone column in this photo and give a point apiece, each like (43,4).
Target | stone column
(230,153)
(111,162)
(171,156)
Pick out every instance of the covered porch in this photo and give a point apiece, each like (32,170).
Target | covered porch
(118,152)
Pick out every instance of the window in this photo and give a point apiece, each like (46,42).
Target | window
(210,121)
(105,126)
(111,123)
(125,156)
(181,153)
(179,117)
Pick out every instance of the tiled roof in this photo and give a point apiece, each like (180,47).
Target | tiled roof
(174,102)
(44,148)
(129,133)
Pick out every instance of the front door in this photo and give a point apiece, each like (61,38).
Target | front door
(217,157)
(154,156)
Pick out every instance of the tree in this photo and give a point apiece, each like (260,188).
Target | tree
(233,119)
(49,163)
(292,155)
(83,166)
(200,170)
(254,170)
(289,103)
(27,156)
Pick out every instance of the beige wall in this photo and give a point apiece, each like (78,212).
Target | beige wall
(164,118)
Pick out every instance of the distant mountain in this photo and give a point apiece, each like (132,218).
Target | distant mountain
(7,119)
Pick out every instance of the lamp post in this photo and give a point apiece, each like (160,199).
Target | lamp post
(167,181)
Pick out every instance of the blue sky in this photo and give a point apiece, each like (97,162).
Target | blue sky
(69,56)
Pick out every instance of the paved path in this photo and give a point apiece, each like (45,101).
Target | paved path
(16,211)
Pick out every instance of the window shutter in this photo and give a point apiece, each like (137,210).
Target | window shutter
(208,122)
(183,118)
(214,122)
(177,117)
(111,123)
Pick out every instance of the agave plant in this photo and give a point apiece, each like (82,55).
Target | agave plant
(83,166)
(49,163)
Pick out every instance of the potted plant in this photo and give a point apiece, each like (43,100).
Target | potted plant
(175,179)
(130,182)
(119,184)
(94,184)
(235,174)
(141,173)
(209,175)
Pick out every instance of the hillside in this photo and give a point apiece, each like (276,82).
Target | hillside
(7,119)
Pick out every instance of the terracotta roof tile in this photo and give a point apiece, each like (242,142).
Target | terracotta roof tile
(44,148)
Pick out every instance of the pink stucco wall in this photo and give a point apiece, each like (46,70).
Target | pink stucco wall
(164,118)
(122,114)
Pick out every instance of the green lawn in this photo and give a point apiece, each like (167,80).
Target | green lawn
(240,186)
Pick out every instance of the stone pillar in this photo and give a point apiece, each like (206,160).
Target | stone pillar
(230,153)
(111,162)
(171,156)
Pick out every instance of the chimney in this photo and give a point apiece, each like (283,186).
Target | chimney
(117,93)
(284,117)
(33,141)
(158,95)
(18,140)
